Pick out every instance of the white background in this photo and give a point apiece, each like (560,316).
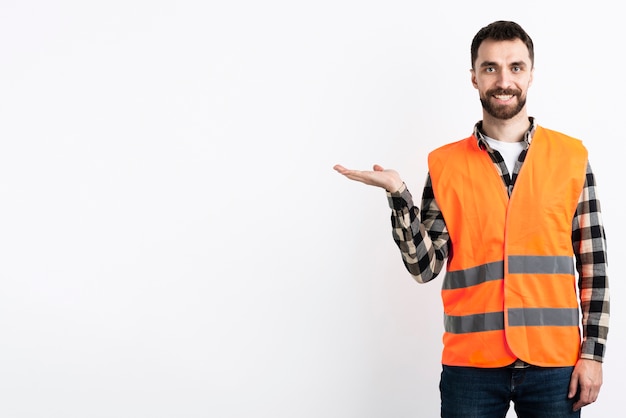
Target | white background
(173,239)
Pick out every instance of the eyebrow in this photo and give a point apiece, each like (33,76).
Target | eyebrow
(495,64)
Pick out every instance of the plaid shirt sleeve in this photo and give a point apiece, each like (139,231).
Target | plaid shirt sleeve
(589,243)
(423,242)
(424,246)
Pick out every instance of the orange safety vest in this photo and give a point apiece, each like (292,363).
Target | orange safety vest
(510,291)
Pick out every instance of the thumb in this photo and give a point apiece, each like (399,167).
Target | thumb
(573,387)
(378,168)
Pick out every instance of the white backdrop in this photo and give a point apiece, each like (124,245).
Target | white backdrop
(173,239)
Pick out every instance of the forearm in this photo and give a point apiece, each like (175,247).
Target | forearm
(589,243)
(422,240)
(595,306)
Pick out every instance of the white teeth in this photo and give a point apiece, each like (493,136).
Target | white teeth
(503,97)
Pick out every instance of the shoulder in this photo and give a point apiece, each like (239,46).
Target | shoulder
(456,145)
(555,135)
(559,139)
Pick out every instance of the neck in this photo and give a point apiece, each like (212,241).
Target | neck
(509,130)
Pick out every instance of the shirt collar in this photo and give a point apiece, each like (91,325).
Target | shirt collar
(482,142)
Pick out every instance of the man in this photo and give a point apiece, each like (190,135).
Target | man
(508,209)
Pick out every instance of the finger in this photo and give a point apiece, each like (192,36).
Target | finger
(579,404)
(587,396)
(345,171)
(583,400)
(592,395)
(355,175)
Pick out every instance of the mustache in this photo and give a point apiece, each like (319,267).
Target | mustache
(504,92)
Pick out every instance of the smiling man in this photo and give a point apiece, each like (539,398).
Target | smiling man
(513,214)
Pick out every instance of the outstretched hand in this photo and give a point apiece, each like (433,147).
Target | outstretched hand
(387,179)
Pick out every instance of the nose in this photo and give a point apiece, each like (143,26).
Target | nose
(504,80)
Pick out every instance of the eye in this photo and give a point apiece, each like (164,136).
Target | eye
(490,70)
(516,69)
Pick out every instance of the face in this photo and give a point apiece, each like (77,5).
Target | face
(502,75)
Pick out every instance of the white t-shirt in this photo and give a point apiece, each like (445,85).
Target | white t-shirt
(510,151)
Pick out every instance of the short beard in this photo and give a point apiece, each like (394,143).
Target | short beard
(503,112)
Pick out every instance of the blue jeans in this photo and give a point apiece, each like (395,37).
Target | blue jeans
(536,392)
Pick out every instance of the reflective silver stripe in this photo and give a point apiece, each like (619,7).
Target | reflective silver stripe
(490,321)
(473,276)
(559,317)
(538,264)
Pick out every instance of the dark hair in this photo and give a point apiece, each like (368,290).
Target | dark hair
(502,30)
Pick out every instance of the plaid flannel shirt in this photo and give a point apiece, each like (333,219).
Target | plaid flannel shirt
(423,242)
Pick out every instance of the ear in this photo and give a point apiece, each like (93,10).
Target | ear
(474,82)
(532,73)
